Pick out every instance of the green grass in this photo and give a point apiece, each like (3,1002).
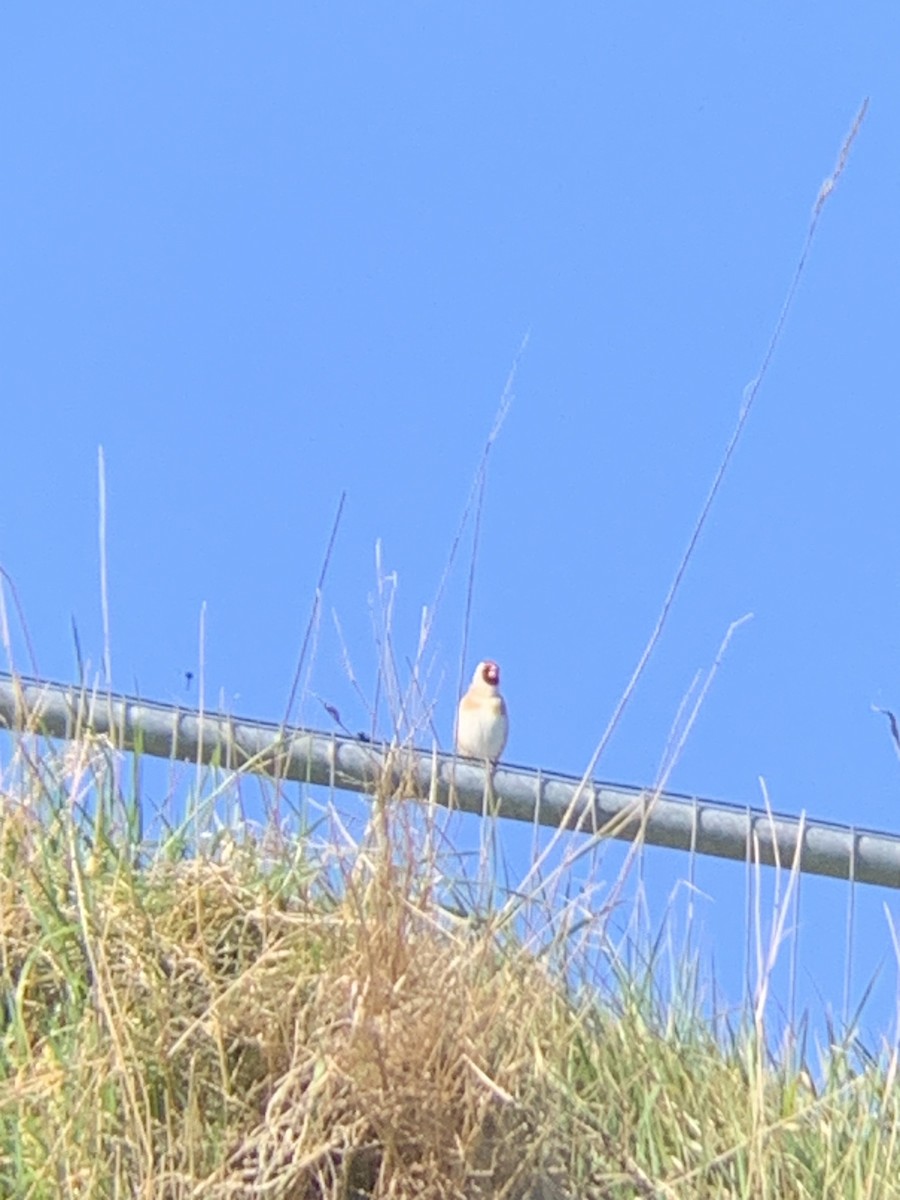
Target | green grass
(234,1024)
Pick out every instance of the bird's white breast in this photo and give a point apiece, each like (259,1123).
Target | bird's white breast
(482,729)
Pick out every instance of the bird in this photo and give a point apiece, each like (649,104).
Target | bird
(482,723)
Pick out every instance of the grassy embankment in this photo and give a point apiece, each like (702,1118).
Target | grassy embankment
(311,1018)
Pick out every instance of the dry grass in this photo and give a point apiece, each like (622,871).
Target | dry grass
(234,1025)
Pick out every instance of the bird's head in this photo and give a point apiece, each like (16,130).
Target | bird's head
(489,673)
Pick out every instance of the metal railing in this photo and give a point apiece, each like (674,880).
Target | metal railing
(518,793)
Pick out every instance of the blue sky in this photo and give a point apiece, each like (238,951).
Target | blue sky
(267,254)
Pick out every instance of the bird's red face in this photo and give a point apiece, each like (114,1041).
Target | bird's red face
(491,673)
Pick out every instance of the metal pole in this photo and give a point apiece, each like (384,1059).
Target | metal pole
(662,819)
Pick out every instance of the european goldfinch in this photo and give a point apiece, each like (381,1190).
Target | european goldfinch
(482,724)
